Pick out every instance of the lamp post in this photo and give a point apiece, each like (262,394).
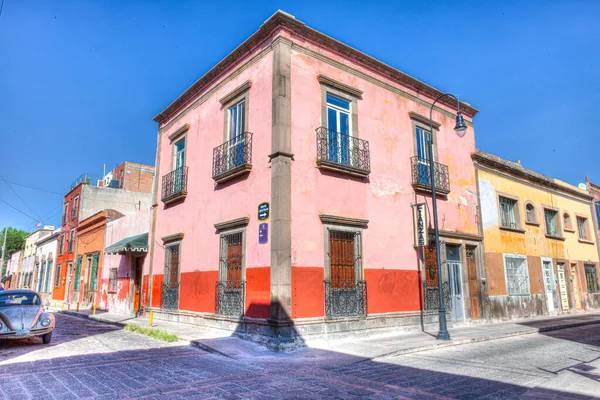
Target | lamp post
(460,129)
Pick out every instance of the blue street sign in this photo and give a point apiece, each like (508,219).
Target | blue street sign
(263,233)
(263,211)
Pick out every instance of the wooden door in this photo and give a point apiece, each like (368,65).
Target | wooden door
(341,259)
(473,283)
(137,284)
(575,286)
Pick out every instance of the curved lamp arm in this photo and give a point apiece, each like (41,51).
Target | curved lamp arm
(461,126)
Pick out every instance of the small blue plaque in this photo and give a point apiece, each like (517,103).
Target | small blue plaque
(263,211)
(263,233)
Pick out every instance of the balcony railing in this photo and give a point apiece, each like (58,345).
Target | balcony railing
(345,298)
(230,298)
(340,152)
(421,175)
(232,158)
(174,185)
(169,299)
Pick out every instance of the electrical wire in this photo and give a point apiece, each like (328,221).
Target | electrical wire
(34,188)
(19,196)
(16,209)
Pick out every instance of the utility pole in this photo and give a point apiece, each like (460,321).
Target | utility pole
(3,250)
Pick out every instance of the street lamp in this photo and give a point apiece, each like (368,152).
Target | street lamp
(460,129)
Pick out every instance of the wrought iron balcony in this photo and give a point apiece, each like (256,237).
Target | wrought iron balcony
(230,298)
(421,176)
(343,153)
(169,299)
(232,158)
(345,298)
(174,185)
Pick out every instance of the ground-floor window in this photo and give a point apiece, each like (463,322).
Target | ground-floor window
(517,275)
(94,272)
(77,274)
(48,276)
(170,289)
(591,278)
(112,279)
(344,284)
(230,287)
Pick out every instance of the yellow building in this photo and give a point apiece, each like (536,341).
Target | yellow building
(539,241)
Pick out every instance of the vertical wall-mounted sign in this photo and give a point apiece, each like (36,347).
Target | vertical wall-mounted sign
(263,211)
(420,224)
(263,233)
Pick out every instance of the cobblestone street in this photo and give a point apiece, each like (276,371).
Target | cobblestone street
(88,359)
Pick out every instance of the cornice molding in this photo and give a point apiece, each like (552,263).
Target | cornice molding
(271,27)
(423,119)
(236,92)
(499,164)
(232,224)
(172,238)
(337,220)
(325,80)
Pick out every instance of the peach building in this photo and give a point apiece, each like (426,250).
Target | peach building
(286,179)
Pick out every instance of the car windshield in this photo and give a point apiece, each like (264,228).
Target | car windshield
(19,299)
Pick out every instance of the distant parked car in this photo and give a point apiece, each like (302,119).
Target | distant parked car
(22,316)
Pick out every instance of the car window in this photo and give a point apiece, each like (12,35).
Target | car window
(19,299)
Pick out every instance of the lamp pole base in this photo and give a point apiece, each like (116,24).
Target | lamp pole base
(443,333)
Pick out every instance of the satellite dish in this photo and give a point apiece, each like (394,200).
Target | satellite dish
(582,186)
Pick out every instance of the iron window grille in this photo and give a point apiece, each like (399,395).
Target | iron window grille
(517,275)
(582,228)
(550,217)
(591,278)
(431,296)
(231,284)
(170,287)
(174,183)
(112,279)
(507,213)
(345,291)
(335,148)
(421,175)
(233,155)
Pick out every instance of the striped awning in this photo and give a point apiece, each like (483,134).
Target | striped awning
(130,244)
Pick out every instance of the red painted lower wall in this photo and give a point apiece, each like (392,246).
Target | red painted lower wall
(308,292)
(391,290)
(258,292)
(156,288)
(197,291)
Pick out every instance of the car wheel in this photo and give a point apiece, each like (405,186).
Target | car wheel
(47,338)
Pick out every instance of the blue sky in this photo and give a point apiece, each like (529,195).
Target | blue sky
(80,81)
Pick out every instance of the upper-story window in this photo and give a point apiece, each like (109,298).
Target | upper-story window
(508,213)
(65,212)
(550,216)
(75,207)
(71,241)
(598,213)
(179,154)
(236,140)
(582,228)
(339,127)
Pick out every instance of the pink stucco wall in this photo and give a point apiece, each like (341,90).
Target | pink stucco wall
(385,198)
(120,301)
(208,203)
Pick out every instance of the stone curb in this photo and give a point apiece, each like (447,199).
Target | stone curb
(460,342)
(528,331)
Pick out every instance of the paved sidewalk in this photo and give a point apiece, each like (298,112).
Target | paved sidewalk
(349,350)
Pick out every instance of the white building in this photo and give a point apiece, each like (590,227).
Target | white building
(45,271)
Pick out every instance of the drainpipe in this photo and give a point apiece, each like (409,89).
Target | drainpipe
(151,240)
